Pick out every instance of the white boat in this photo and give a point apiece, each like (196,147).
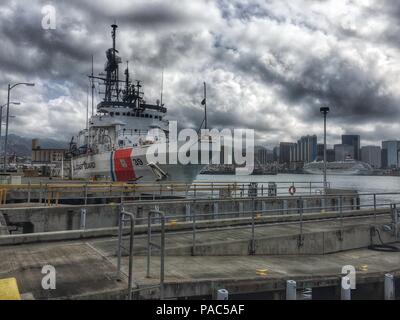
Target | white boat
(347,167)
(117,138)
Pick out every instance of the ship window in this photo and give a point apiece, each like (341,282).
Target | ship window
(142,115)
(128,114)
(124,114)
(117,113)
(146,115)
(112,114)
(151,117)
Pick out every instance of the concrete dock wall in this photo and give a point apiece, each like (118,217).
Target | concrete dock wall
(60,218)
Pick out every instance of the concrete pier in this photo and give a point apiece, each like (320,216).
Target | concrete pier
(250,247)
(86,269)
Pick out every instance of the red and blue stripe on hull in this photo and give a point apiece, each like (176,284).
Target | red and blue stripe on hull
(122,168)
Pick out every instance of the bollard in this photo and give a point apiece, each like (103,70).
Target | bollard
(83,219)
(346,290)
(222,294)
(389,287)
(291,290)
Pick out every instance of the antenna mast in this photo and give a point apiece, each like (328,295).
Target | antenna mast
(92,80)
(205,105)
(162,87)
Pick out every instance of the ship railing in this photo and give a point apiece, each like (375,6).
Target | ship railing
(132,132)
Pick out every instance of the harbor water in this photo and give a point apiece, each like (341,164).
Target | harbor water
(363,184)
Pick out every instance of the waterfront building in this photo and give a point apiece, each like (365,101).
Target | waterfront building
(391,153)
(343,152)
(372,155)
(354,141)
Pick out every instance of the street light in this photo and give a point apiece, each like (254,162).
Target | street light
(1,113)
(10,87)
(325,111)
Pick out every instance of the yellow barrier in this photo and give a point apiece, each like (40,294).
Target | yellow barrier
(9,289)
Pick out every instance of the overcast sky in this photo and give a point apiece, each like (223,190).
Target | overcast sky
(269,65)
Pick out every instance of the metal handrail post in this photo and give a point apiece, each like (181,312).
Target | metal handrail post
(301,240)
(120,227)
(86,193)
(253,228)
(341,217)
(162,267)
(122,213)
(149,245)
(162,249)
(130,278)
(375,216)
(194,234)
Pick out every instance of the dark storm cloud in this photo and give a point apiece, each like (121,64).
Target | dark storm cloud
(268,64)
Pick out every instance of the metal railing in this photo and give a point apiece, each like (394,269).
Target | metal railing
(254,219)
(132,219)
(52,194)
(251,219)
(121,221)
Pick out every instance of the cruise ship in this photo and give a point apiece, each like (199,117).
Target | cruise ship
(119,133)
(347,167)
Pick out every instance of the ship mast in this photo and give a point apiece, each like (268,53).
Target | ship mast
(121,93)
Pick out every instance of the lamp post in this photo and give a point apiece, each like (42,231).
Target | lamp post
(10,87)
(325,111)
(1,113)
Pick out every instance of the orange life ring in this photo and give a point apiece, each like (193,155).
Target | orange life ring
(292,190)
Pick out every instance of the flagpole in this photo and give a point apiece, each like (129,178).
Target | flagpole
(205,106)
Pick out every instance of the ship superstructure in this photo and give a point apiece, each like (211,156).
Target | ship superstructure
(118,135)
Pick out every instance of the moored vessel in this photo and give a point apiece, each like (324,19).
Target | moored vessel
(119,135)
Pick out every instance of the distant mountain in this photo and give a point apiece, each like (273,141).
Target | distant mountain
(22,146)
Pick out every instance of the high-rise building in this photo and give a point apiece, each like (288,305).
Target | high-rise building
(354,141)
(343,152)
(372,155)
(305,150)
(320,151)
(330,155)
(391,150)
(384,158)
(285,150)
(276,154)
(263,156)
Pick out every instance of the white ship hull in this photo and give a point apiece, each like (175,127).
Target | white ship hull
(344,168)
(334,172)
(131,165)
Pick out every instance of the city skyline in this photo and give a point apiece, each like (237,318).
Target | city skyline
(269,66)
